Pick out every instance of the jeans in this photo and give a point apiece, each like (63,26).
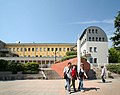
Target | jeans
(73,84)
(80,87)
(103,79)
(68,80)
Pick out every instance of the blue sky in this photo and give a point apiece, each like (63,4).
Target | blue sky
(54,21)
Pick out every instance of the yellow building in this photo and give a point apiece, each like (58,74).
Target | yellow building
(39,49)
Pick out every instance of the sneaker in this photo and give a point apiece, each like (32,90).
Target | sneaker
(82,90)
(69,92)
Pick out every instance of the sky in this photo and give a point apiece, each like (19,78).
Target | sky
(54,21)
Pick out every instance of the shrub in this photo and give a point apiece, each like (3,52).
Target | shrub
(71,53)
(115,68)
(68,57)
(3,65)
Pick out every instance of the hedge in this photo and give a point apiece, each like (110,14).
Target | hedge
(68,57)
(31,68)
(71,53)
(115,68)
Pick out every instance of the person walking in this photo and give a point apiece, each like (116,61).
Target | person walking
(74,76)
(67,76)
(103,73)
(81,77)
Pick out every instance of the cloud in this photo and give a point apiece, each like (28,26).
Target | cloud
(107,21)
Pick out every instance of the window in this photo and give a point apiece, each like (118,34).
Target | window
(44,49)
(25,49)
(89,30)
(103,39)
(48,49)
(64,49)
(92,30)
(40,49)
(67,49)
(90,49)
(100,39)
(32,49)
(96,30)
(18,49)
(36,49)
(28,55)
(13,49)
(52,56)
(9,49)
(96,38)
(95,60)
(56,49)
(40,55)
(28,49)
(36,55)
(89,38)
(52,49)
(21,49)
(95,49)
(60,49)
(91,60)
(93,39)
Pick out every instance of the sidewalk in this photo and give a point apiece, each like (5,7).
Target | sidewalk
(56,87)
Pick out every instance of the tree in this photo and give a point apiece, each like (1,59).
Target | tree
(114,56)
(116,37)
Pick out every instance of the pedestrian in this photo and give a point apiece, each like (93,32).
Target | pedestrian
(103,73)
(81,75)
(74,76)
(67,76)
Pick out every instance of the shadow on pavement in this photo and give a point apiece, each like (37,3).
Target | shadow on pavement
(106,82)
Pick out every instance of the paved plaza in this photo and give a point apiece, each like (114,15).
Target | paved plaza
(56,87)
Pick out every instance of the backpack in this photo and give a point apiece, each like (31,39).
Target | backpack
(81,74)
(65,74)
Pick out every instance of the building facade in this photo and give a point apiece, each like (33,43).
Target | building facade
(94,45)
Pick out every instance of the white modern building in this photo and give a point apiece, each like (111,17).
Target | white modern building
(94,45)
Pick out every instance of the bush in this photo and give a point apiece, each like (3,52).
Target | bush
(71,53)
(115,68)
(68,57)
(3,65)
(30,72)
(31,66)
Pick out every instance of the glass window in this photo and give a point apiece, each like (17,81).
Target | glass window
(28,49)
(56,49)
(91,60)
(90,49)
(89,38)
(13,49)
(100,39)
(36,49)
(40,49)
(28,55)
(32,49)
(52,49)
(44,49)
(93,39)
(48,49)
(67,49)
(103,39)
(36,55)
(64,49)
(95,49)
(25,49)
(92,30)
(96,30)
(18,49)
(60,49)
(95,60)
(40,55)
(96,38)
(21,49)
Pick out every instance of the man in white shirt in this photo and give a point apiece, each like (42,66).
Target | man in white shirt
(103,74)
(67,71)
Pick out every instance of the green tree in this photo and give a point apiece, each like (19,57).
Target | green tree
(116,37)
(114,55)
